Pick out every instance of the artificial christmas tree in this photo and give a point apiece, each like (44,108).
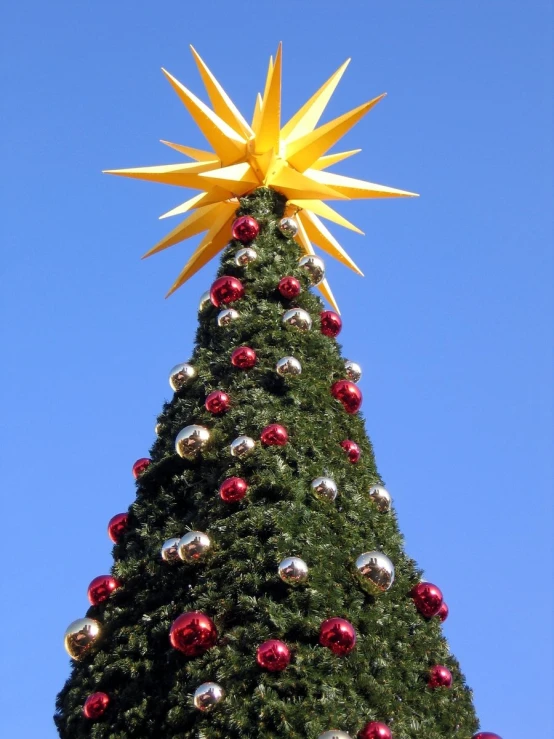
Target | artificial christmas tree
(260,587)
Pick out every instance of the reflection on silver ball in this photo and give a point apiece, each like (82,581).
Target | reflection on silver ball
(193,546)
(169,550)
(293,570)
(288,227)
(158,428)
(227,316)
(353,370)
(376,571)
(314,267)
(208,695)
(242,446)
(191,440)
(288,366)
(181,375)
(325,488)
(244,257)
(334,734)
(204,301)
(381,497)
(298,318)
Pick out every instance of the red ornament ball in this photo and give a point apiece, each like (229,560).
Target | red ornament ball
(485,735)
(375,730)
(439,677)
(348,394)
(273,655)
(218,402)
(140,466)
(101,588)
(338,635)
(226,290)
(427,598)
(243,357)
(443,612)
(193,633)
(289,287)
(95,705)
(245,229)
(233,489)
(274,435)
(331,323)
(352,450)
(117,526)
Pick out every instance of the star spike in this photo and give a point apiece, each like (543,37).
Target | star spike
(240,178)
(181,175)
(267,135)
(325,211)
(198,155)
(295,184)
(320,235)
(323,287)
(215,195)
(198,221)
(330,159)
(357,189)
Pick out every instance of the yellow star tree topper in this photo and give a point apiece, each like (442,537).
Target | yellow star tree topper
(291,159)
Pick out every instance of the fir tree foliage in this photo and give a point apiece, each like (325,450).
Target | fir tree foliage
(150,684)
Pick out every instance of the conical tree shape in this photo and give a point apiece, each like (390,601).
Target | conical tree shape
(149,683)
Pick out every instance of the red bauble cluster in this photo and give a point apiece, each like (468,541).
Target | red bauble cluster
(338,635)
(375,730)
(243,357)
(427,598)
(140,466)
(226,290)
(245,229)
(443,611)
(439,677)
(289,287)
(101,588)
(348,394)
(193,633)
(117,526)
(352,450)
(273,655)
(274,435)
(331,323)
(96,705)
(218,402)
(233,489)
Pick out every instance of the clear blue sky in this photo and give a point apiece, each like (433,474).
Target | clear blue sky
(452,323)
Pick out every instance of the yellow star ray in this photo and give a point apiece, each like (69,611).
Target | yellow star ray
(292,159)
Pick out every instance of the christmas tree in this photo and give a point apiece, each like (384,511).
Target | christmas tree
(260,587)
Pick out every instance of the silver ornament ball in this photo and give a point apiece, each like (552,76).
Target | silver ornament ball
(334,734)
(158,428)
(293,570)
(242,446)
(208,695)
(191,440)
(193,546)
(227,316)
(169,550)
(244,257)
(205,301)
(288,227)
(297,318)
(353,370)
(288,367)
(381,497)
(325,488)
(181,375)
(314,267)
(376,571)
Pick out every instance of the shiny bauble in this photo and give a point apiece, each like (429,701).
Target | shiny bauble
(439,677)
(289,287)
(243,357)
(158,428)
(245,256)
(331,323)
(375,730)
(169,551)
(348,394)
(242,446)
(217,403)
(293,570)
(324,488)
(376,572)
(381,497)
(273,655)
(443,612)
(117,526)
(485,735)
(193,546)
(204,301)
(274,435)
(225,290)
(80,637)
(193,633)
(233,489)
(427,598)
(96,705)
(245,229)
(181,375)
(314,267)
(191,441)
(140,467)
(227,316)
(338,635)
(288,367)
(352,370)
(288,227)
(208,695)
(334,734)
(101,588)
(297,318)
(352,450)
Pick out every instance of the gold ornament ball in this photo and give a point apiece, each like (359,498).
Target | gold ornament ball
(242,446)
(205,301)
(288,367)
(181,375)
(325,488)
(191,441)
(208,695)
(293,570)
(297,318)
(376,571)
(381,497)
(288,227)
(353,370)
(80,636)
(169,550)
(193,546)
(314,267)
(227,316)
(245,256)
